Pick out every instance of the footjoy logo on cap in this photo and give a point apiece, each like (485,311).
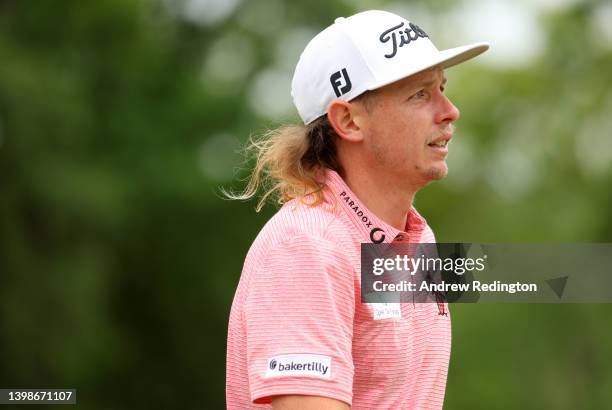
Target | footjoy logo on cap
(406,35)
(340,89)
(299,365)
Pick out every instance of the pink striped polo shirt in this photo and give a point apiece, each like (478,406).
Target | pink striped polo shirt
(298,326)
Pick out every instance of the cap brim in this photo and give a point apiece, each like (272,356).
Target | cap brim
(446,58)
(454,56)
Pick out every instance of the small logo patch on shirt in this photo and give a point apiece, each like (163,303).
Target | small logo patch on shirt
(299,365)
(386,310)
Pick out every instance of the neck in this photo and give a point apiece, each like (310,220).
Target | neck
(387,199)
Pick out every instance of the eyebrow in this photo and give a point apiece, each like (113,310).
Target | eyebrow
(429,83)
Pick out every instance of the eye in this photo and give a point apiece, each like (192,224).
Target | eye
(418,94)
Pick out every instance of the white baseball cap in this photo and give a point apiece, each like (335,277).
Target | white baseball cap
(364,52)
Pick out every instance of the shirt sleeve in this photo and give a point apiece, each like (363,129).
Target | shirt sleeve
(299,322)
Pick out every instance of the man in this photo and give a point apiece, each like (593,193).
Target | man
(370,90)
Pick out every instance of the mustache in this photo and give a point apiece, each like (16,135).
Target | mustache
(444,132)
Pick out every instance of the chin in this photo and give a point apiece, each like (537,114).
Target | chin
(436,173)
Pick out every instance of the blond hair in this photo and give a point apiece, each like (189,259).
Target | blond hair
(288,163)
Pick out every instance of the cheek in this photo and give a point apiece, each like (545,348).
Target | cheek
(394,137)
(392,150)
(380,145)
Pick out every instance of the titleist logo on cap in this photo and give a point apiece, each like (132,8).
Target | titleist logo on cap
(406,35)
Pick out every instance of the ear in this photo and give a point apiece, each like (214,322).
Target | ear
(346,119)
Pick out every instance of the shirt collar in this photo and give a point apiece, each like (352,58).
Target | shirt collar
(371,227)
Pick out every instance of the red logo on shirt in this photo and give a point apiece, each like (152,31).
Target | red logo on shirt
(440,301)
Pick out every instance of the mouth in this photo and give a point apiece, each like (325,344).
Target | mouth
(440,144)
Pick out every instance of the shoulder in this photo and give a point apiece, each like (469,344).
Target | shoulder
(295,225)
(298,249)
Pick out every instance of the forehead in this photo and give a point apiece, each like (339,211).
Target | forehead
(431,75)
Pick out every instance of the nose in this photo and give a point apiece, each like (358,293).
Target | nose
(447,111)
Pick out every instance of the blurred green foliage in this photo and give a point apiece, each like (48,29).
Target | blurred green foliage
(118,259)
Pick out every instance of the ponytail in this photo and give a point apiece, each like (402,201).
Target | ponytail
(289,161)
